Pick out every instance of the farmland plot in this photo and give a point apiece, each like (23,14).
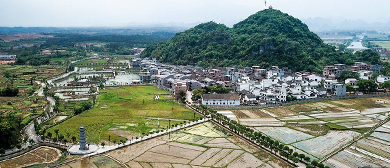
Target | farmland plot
(34,157)
(322,145)
(284,134)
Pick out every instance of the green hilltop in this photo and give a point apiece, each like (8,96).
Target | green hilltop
(267,38)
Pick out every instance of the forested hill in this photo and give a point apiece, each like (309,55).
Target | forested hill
(269,37)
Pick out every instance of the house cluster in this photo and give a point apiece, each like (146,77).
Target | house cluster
(5,59)
(251,85)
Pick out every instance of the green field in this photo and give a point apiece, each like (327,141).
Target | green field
(384,44)
(126,109)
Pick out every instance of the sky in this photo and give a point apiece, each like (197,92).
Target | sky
(128,13)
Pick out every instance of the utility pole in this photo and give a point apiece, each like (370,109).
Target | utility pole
(169,133)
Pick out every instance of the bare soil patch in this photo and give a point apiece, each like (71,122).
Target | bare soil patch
(260,113)
(134,164)
(161,165)
(213,160)
(193,147)
(130,152)
(176,151)
(229,158)
(246,160)
(204,156)
(243,144)
(240,114)
(155,157)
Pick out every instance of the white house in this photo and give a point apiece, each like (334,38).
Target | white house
(382,79)
(351,81)
(221,99)
(314,77)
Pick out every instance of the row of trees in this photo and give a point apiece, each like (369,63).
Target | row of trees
(259,138)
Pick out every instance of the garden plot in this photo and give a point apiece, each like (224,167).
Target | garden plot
(375,110)
(374,147)
(284,134)
(382,136)
(261,122)
(228,114)
(322,145)
(297,117)
(352,158)
(34,157)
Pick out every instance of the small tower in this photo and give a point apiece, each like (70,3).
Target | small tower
(265,4)
(83,141)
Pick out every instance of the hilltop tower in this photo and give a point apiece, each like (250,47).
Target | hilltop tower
(265,4)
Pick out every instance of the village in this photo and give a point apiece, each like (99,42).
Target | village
(253,85)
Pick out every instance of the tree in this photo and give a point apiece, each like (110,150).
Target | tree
(347,74)
(367,85)
(49,135)
(350,88)
(314,162)
(2,151)
(73,139)
(197,94)
(386,85)
(56,132)
(103,144)
(320,165)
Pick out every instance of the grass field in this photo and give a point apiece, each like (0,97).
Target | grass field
(125,109)
(384,44)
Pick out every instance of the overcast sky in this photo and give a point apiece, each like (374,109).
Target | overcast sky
(126,13)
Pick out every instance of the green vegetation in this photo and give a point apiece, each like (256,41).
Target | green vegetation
(197,93)
(131,109)
(347,74)
(333,126)
(367,85)
(10,124)
(266,38)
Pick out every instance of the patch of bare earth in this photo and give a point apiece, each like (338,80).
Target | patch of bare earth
(260,113)
(204,156)
(246,160)
(243,144)
(176,151)
(155,157)
(229,158)
(128,153)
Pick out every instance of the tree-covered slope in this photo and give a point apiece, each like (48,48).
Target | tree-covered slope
(266,38)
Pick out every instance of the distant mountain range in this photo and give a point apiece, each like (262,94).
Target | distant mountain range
(319,24)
